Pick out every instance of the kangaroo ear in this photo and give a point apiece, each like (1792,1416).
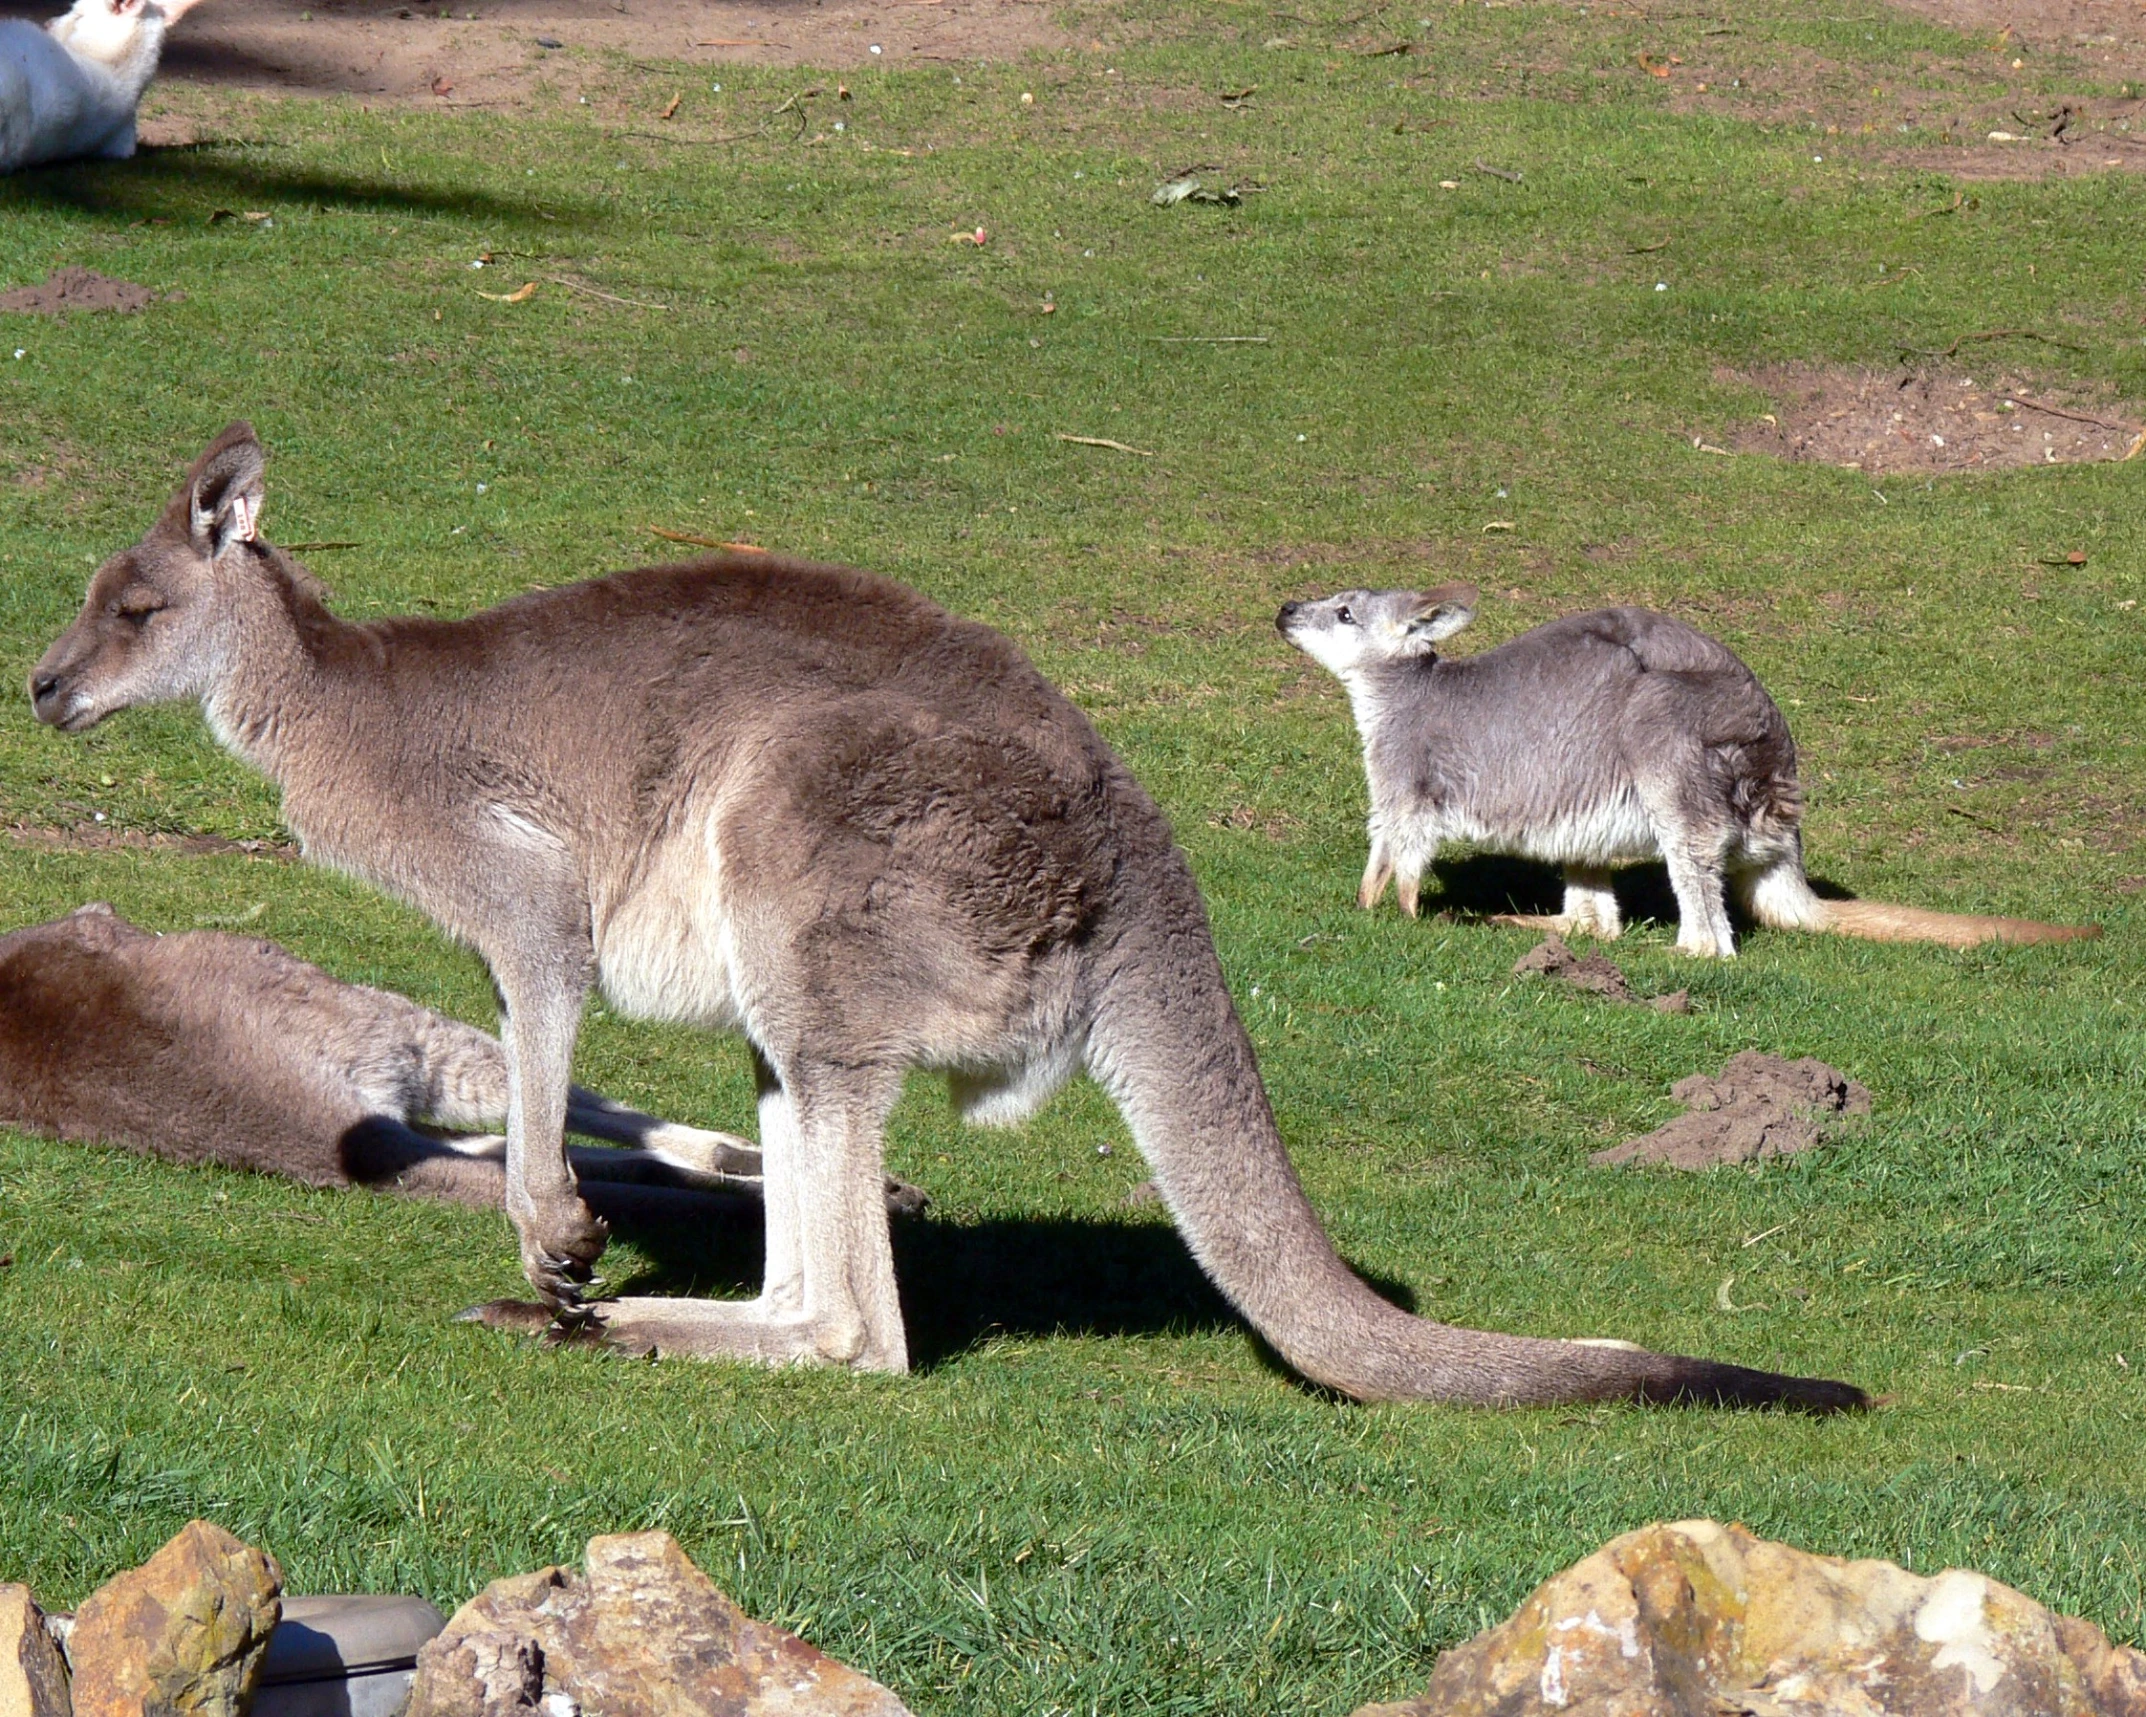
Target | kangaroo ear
(1442,612)
(225,492)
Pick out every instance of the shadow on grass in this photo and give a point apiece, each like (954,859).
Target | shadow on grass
(190,181)
(964,1283)
(1489,883)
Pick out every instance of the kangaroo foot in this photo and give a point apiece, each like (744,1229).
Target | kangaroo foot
(1560,924)
(697,1329)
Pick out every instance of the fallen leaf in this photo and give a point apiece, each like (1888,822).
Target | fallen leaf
(1238,97)
(671,106)
(1653,68)
(520,295)
(441,87)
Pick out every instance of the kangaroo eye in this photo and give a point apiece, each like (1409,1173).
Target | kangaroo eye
(136,605)
(1344,616)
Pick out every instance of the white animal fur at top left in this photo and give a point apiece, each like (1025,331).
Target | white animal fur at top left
(68,91)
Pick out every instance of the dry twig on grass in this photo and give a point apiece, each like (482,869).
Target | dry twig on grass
(1105,441)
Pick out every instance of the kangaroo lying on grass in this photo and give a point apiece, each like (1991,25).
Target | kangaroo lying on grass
(807,804)
(1596,740)
(204,1047)
(69,91)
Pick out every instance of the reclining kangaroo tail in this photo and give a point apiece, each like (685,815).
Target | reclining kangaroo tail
(1168,1046)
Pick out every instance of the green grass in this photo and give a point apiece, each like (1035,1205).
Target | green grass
(1096,1495)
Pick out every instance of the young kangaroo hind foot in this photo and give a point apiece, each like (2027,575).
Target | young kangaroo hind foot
(805,804)
(1594,741)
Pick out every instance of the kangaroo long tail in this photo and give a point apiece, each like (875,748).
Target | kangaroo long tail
(1168,1046)
(1782,900)
(1876,921)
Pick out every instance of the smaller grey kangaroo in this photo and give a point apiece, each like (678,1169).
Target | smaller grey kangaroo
(1593,741)
(205,1047)
(68,91)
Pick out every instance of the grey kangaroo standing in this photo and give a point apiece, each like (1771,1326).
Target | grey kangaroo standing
(1593,741)
(806,804)
(207,1047)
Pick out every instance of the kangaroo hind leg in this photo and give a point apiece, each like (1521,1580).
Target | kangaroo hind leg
(829,1297)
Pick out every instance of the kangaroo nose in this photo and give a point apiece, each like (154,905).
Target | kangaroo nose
(1288,613)
(44,692)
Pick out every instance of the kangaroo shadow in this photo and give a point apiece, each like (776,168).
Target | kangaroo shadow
(963,1283)
(189,181)
(1484,884)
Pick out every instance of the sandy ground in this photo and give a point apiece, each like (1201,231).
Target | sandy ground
(495,53)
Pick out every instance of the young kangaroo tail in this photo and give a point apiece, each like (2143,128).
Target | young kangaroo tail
(1781,898)
(1167,1044)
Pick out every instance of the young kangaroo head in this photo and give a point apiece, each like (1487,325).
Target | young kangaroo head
(160,617)
(108,31)
(1358,629)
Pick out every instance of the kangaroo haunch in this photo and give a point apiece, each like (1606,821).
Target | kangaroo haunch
(1596,740)
(207,1047)
(805,804)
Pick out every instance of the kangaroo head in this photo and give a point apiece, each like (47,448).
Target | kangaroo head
(159,620)
(1357,629)
(106,30)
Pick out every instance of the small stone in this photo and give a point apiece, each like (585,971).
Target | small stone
(33,1679)
(183,1635)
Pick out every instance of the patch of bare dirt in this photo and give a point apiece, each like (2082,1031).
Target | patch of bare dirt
(497,53)
(1936,419)
(1594,973)
(69,289)
(2108,36)
(2042,89)
(93,838)
(1757,1107)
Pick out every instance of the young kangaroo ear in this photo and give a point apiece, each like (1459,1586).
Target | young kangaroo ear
(225,493)
(1442,612)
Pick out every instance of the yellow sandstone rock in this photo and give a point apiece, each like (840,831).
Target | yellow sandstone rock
(1697,1619)
(646,1634)
(183,1635)
(33,1679)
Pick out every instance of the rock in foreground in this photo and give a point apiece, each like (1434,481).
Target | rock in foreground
(646,1634)
(183,1635)
(33,1680)
(1702,1620)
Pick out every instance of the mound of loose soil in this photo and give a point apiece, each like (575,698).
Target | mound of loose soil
(77,289)
(1933,420)
(1593,973)
(1758,1106)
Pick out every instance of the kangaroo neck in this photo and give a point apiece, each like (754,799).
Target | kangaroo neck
(282,682)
